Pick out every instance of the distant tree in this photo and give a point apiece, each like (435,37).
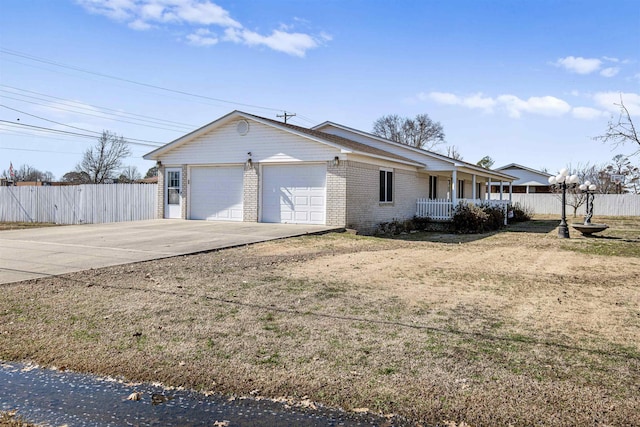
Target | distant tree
(129,174)
(486,162)
(29,173)
(452,151)
(75,177)
(104,159)
(621,165)
(622,130)
(153,171)
(420,132)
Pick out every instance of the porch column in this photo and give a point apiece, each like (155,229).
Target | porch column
(501,189)
(454,184)
(510,191)
(474,196)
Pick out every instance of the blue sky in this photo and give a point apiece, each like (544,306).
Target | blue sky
(528,82)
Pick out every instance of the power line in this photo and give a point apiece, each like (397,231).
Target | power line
(82,106)
(89,114)
(95,73)
(64,132)
(74,127)
(47,120)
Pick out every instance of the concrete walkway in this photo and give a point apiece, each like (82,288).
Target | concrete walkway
(40,252)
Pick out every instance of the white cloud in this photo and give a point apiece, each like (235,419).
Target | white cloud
(147,14)
(475,101)
(140,25)
(579,64)
(611,101)
(514,106)
(292,43)
(441,98)
(610,72)
(587,113)
(202,37)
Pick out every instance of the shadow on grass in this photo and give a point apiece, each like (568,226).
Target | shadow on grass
(537,226)
(444,331)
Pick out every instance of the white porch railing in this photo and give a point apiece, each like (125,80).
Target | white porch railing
(442,209)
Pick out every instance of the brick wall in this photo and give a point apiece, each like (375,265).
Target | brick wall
(161,189)
(364,210)
(336,213)
(250,194)
(184,192)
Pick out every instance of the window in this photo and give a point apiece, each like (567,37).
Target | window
(433,187)
(479,190)
(386,186)
(460,189)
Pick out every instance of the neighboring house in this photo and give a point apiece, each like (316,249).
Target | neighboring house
(243,167)
(528,180)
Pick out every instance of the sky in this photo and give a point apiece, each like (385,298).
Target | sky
(523,81)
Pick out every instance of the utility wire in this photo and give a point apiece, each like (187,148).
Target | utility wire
(95,73)
(64,132)
(81,105)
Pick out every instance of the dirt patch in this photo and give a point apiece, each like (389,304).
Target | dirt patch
(508,328)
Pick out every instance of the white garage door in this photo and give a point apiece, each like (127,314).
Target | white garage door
(294,194)
(216,193)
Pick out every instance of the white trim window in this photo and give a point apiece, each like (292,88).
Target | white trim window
(386,186)
(433,187)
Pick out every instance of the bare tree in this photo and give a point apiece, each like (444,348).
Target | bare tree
(452,151)
(102,160)
(29,173)
(622,166)
(486,162)
(622,130)
(420,132)
(129,174)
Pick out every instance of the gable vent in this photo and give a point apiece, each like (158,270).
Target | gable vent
(243,127)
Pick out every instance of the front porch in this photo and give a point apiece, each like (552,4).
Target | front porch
(443,209)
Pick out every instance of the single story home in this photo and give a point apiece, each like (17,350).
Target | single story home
(527,180)
(243,167)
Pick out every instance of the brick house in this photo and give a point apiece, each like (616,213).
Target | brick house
(242,167)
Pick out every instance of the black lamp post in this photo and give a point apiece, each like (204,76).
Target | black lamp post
(563,181)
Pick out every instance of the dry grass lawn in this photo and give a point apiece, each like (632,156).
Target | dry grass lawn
(511,328)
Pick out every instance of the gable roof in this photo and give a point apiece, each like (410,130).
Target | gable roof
(517,166)
(454,162)
(333,140)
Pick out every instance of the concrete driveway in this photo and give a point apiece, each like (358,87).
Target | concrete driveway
(41,252)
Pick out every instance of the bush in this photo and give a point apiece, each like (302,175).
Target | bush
(396,226)
(469,218)
(520,213)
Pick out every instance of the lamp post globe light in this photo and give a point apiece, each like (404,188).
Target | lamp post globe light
(563,181)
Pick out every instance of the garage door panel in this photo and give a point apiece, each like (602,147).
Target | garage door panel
(217,193)
(294,193)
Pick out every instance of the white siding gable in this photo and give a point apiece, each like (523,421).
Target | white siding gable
(224,145)
(431,163)
(525,176)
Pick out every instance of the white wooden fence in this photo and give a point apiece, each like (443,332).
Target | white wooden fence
(604,204)
(442,209)
(79,204)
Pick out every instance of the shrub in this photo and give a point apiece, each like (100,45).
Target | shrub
(469,218)
(396,226)
(520,213)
